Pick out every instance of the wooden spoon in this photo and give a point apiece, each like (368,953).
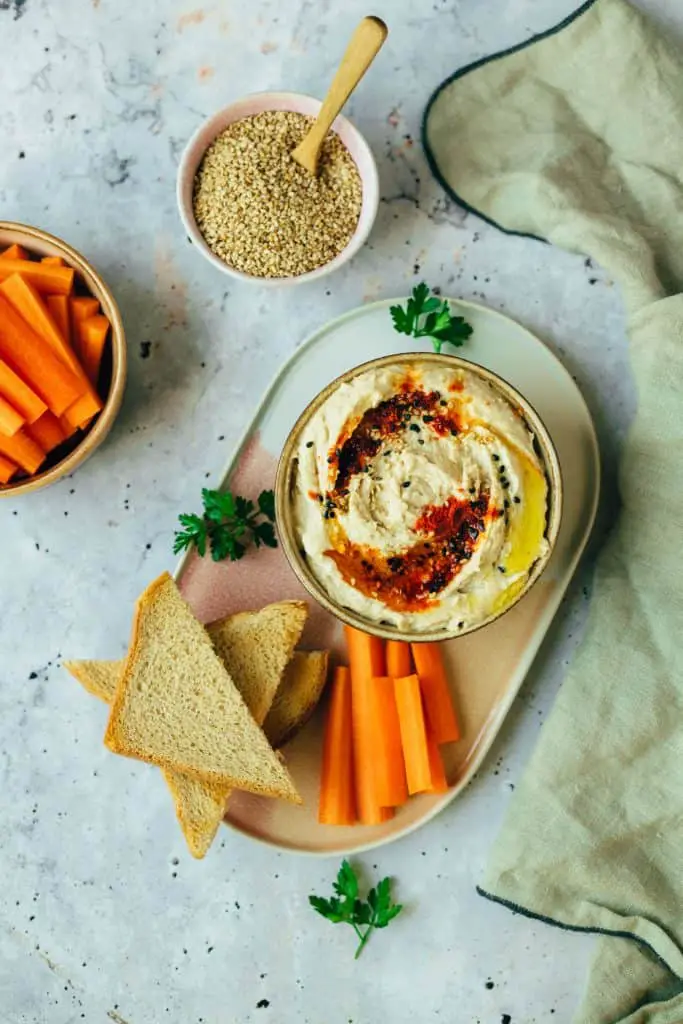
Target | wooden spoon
(360,53)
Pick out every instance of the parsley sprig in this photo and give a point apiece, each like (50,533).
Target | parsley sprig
(229,524)
(345,907)
(427,316)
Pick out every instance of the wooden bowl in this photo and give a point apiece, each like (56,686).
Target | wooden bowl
(286,477)
(65,460)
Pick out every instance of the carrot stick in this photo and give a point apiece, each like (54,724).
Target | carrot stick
(23,450)
(31,357)
(7,469)
(413,734)
(15,252)
(399,659)
(10,420)
(25,401)
(92,337)
(80,308)
(35,312)
(392,789)
(436,693)
(366,659)
(58,308)
(46,432)
(29,304)
(337,804)
(81,412)
(437,770)
(46,280)
(52,261)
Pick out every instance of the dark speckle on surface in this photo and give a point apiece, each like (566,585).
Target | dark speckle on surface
(489,984)
(22,155)
(116,169)
(506,1019)
(262,1004)
(17,6)
(145,349)
(33,675)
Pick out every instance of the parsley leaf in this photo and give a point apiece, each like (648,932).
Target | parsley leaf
(427,316)
(229,524)
(376,911)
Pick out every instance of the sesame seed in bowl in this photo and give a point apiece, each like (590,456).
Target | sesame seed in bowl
(255,213)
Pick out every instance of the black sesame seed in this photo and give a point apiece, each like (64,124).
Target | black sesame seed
(454,433)
(501,568)
(516,500)
(506,503)
(330,460)
(460,625)
(415,427)
(496,458)
(443,402)
(309,444)
(505,484)
(473,490)
(420,441)
(406,483)
(427,419)
(501,469)
(387,453)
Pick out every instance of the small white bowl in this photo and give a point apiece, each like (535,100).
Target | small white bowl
(257,103)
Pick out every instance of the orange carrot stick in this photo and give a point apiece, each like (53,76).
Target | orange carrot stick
(20,395)
(58,308)
(399,659)
(92,337)
(80,308)
(23,450)
(337,804)
(436,767)
(81,412)
(52,261)
(436,693)
(29,304)
(10,420)
(7,469)
(15,252)
(36,313)
(46,280)
(413,734)
(46,432)
(31,357)
(392,788)
(366,659)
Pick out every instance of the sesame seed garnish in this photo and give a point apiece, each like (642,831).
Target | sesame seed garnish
(262,213)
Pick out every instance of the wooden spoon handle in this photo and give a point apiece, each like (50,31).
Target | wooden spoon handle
(360,53)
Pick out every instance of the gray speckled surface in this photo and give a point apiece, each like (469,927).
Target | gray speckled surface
(103,916)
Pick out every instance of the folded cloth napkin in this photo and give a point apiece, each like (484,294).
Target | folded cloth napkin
(577,138)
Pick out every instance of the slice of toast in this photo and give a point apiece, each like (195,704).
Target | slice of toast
(176,705)
(297,696)
(200,806)
(100,678)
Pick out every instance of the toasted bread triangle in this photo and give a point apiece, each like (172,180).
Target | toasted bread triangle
(255,647)
(176,705)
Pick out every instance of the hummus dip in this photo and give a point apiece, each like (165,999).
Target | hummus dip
(419,499)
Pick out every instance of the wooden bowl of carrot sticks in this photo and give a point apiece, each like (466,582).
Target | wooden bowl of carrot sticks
(62,359)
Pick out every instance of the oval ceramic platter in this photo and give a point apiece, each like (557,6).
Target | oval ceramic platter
(486,668)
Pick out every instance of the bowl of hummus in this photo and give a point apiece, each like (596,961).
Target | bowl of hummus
(418,497)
